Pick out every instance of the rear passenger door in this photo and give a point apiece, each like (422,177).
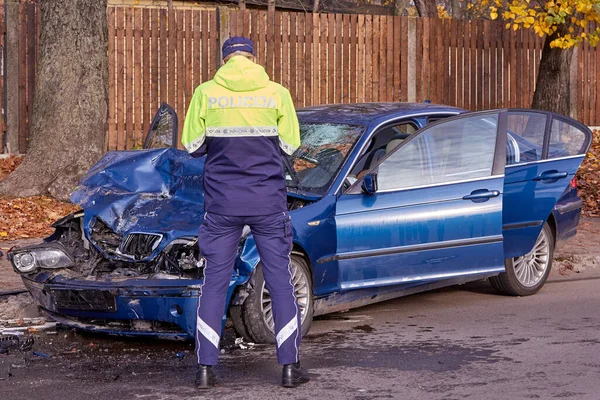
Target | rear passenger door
(544,151)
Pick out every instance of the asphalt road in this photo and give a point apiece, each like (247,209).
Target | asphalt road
(460,342)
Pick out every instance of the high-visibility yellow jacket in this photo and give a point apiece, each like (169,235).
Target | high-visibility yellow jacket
(243,122)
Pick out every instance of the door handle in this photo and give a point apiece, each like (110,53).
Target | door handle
(481,194)
(553,175)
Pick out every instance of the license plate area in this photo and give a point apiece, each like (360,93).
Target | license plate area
(84,300)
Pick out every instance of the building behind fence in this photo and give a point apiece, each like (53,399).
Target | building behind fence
(156,55)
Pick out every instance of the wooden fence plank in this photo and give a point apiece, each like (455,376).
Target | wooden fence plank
(486,65)
(196,49)
(323,78)
(446,61)
(212,49)
(163,65)
(432,56)
(339,61)
(179,68)
(439,76)
(138,97)
(293,63)
(189,49)
(369,33)
(172,59)
(129,134)
(513,69)
(360,76)
(285,50)
(382,57)
(330,58)
(376,33)
(453,62)
(389,84)
(145,72)
(120,79)
(154,66)
(276,48)
(204,36)
(493,62)
(396,58)
(460,70)
(112,101)
(425,71)
(298,73)
(347,66)
(308,60)
(480,54)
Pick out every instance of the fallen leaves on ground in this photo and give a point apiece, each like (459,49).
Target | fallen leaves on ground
(588,178)
(30,217)
(8,165)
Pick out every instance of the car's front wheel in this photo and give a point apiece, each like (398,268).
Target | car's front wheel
(527,274)
(253,320)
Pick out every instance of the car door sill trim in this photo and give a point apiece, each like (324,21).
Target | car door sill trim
(414,247)
(522,225)
(419,278)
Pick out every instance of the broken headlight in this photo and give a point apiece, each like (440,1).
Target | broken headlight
(28,259)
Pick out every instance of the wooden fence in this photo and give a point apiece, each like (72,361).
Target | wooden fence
(156,55)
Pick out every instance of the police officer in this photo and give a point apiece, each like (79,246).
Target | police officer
(244,123)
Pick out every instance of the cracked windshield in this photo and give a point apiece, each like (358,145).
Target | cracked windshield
(322,153)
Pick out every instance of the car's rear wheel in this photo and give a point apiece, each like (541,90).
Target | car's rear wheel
(527,274)
(253,320)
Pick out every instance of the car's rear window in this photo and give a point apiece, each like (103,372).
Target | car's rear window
(565,140)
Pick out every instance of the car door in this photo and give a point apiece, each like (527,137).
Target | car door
(544,153)
(163,129)
(437,212)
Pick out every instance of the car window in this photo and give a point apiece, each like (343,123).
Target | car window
(452,151)
(565,140)
(525,136)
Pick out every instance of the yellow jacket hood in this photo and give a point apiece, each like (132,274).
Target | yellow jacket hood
(241,75)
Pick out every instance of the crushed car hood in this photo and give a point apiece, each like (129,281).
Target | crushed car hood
(157,191)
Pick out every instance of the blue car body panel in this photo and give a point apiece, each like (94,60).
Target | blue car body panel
(414,239)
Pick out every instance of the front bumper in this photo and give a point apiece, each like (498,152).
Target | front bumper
(161,311)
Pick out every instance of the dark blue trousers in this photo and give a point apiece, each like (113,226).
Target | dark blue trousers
(218,240)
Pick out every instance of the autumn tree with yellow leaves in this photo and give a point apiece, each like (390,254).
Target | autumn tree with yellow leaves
(564,24)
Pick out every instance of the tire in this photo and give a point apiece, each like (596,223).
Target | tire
(255,323)
(527,274)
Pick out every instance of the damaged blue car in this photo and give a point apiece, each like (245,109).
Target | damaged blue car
(386,200)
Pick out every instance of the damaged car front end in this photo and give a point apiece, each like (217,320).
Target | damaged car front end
(123,267)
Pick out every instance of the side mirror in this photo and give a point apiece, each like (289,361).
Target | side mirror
(369,185)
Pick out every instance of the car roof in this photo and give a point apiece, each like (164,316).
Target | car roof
(369,113)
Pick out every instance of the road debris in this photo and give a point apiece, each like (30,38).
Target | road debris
(43,355)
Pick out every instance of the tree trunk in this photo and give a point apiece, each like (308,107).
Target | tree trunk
(426,8)
(552,91)
(71,100)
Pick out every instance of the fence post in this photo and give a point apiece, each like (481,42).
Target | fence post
(11,58)
(412,60)
(223,27)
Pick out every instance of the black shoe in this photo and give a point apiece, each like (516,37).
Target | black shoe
(293,375)
(205,377)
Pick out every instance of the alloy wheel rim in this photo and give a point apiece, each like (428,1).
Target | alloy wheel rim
(301,288)
(531,267)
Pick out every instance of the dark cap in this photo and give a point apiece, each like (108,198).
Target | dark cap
(237,43)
